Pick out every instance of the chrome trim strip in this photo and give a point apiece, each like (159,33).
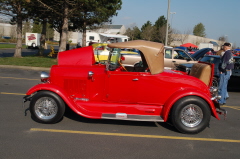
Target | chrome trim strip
(82,99)
(133,117)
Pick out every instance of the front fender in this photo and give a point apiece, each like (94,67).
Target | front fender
(183,93)
(65,97)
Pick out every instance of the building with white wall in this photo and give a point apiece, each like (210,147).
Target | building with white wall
(179,39)
(107,32)
(7,30)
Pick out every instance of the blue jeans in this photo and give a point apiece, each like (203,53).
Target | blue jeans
(222,89)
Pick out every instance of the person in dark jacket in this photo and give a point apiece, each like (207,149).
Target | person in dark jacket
(225,68)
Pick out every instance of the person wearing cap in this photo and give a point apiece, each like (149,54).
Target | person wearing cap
(225,68)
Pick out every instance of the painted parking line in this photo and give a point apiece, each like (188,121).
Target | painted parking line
(134,135)
(12,93)
(20,78)
(232,107)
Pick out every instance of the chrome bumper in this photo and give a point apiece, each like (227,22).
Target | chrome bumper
(25,99)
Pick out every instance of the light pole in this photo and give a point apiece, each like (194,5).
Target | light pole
(172,17)
(168,12)
(226,38)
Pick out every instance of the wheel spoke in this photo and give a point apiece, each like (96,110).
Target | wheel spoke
(191,115)
(46,108)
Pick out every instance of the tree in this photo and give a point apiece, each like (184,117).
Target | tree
(160,33)
(40,12)
(16,10)
(26,28)
(137,33)
(145,25)
(80,13)
(37,27)
(147,32)
(199,30)
(133,32)
(160,22)
(93,14)
(50,32)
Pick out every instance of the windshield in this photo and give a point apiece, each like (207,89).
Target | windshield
(113,59)
(179,54)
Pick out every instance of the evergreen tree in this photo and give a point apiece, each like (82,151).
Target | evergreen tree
(16,9)
(160,29)
(199,30)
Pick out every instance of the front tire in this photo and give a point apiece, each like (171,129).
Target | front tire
(47,107)
(190,115)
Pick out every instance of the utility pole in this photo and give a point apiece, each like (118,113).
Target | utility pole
(168,12)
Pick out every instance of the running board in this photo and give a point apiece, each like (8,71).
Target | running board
(124,116)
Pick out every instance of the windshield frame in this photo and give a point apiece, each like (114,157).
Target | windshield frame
(113,59)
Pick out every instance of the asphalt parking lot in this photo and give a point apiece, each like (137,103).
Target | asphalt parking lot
(78,137)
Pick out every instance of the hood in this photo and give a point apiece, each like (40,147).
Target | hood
(200,53)
(82,56)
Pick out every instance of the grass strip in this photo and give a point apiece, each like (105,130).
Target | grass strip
(33,61)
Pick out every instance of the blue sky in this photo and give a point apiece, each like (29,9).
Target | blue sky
(220,18)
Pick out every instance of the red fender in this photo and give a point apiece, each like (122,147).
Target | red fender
(186,92)
(66,98)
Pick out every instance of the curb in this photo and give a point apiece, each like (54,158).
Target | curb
(26,67)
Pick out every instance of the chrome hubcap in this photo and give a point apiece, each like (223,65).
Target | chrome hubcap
(46,108)
(191,115)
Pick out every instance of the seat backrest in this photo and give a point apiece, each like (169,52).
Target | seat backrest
(201,71)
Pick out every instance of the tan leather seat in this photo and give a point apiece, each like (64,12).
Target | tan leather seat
(202,72)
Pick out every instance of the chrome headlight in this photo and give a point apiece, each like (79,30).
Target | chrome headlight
(44,76)
(214,93)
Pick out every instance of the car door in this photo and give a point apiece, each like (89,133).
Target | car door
(150,89)
(121,87)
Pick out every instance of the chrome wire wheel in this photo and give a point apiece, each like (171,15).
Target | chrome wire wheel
(191,115)
(46,108)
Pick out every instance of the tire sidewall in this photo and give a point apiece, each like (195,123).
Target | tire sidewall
(182,103)
(56,98)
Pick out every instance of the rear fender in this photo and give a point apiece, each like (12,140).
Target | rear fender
(183,93)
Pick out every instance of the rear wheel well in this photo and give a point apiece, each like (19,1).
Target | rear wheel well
(178,115)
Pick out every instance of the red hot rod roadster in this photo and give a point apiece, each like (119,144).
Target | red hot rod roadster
(108,90)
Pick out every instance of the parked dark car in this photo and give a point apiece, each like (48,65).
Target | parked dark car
(215,59)
(201,53)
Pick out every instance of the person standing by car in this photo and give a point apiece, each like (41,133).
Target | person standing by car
(220,52)
(225,68)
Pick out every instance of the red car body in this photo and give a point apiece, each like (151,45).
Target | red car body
(116,94)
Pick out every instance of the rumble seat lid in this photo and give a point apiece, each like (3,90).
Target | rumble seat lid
(152,51)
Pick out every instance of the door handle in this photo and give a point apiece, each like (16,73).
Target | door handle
(135,79)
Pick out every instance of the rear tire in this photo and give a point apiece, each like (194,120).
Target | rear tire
(47,107)
(190,115)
